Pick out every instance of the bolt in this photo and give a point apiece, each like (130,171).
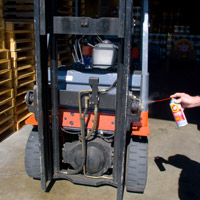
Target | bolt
(112,122)
(65,118)
(72,113)
(71,123)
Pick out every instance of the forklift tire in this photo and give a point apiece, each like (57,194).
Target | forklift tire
(136,174)
(32,155)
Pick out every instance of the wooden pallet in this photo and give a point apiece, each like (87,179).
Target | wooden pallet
(18,7)
(23,72)
(19,91)
(20,45)
(4,54)
(2,34)
(18,15)
(5,64)
(6,96)
(23,54)
(24,81)
(20,99)
(6,85)
(5,76)
(2,43)
(19,26)
(2,23)
(20,108)
(20,119)
(1,13)
(7,127)
(6,106)
(23,62)
(11,2)
(7,115)
(18,35)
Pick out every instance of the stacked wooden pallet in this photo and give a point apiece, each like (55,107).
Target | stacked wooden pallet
(20,41)
(64,53)
(2,27)
(67,8)
(6,91)
(6,94)
(18,10)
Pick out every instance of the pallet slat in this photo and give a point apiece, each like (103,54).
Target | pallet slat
(20,99)
(2,23)
(7,126)
(2,43)
(20,45)
(22,90)
(18,2)
(5,76)
(24,81)
(6,85)
(23,54)
(4,54)
(7,106)
(18,7)
(5,64)
(20,119)
(25,62)
(16,26)
(6,96)
(17,35)
(2,34)
(23,72)
(7,115)
(19,14)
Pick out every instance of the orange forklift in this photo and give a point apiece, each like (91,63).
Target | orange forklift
(90,121)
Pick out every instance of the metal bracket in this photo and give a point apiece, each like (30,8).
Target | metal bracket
(135,107)
(135,117)
(30,99)
(94,96)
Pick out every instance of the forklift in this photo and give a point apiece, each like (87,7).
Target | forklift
(90,118)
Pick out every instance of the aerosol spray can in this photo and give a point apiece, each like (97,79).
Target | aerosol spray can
(178,113)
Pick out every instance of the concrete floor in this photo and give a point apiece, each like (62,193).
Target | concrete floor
(177,178)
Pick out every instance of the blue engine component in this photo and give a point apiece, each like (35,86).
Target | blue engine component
(74,80)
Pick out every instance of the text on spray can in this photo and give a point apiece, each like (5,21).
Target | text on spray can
(178,113)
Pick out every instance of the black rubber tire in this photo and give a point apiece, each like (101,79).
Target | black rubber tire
(136,171)
(32,155)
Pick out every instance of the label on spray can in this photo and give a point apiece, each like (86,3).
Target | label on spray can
(178,113)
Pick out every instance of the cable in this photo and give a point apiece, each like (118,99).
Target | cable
(70,132)
(103,91)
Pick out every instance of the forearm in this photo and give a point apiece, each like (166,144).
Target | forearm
(196,101)
(186,100)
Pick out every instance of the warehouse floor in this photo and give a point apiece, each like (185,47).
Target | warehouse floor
(177,178)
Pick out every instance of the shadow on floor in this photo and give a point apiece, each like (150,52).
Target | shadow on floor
(189,180)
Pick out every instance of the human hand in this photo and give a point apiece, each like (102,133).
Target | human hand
(186,100)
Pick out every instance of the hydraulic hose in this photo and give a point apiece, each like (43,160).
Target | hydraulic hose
(83,142)
(95,122)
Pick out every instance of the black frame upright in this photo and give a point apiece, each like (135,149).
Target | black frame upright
(48,24)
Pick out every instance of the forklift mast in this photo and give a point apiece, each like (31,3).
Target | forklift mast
(47,97)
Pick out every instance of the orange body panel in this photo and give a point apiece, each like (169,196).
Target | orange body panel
(141,128)
(31,120)
(105,122)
